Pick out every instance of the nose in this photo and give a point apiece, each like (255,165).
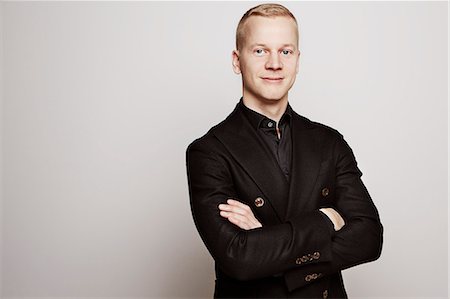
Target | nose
(274,62)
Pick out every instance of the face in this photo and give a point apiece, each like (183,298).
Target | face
(268,58)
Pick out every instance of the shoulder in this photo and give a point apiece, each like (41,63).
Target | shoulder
(209,142)
(331,142)
(319,129)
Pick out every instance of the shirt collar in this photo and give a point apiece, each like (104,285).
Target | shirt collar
(257,120)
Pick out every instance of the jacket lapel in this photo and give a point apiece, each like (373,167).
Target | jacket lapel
(243,143)
(306,160)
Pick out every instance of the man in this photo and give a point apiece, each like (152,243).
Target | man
(277,198)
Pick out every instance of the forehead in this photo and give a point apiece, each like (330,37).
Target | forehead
(270,30)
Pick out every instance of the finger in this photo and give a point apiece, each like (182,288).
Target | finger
(246,213)
(244,221)
(226,207)
(223,207)
(241,218)
(236,217)
(238,204)
(235,209)
(227,214)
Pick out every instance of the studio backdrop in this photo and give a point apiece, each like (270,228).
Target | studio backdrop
(101,99)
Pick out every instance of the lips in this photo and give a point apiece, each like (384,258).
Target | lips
(272,79)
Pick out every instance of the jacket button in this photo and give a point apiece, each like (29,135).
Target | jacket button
(313,276)
(325,192)
(316,255)
(325,294)
(259,202)
(298,261)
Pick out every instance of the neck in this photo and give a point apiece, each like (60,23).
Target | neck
(270,109)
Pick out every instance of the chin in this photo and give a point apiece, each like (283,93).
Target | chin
(268,95)
(274,97)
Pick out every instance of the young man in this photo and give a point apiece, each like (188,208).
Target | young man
(277,198)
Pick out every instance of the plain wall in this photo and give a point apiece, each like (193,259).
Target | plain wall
(1,143)
(101,100)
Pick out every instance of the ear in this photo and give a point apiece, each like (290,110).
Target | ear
(298,63)
(235,61)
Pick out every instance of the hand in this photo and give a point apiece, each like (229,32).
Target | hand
(239,214)
(335,217)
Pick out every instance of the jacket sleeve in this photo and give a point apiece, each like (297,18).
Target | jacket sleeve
(241,254)
(360,240)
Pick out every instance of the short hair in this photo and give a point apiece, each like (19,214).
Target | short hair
(269,10)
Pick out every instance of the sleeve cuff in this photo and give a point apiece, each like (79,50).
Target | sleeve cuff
(318,254)
(330,224)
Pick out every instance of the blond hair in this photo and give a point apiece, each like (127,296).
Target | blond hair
(268,10)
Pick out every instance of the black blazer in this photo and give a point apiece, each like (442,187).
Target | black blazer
(296,244)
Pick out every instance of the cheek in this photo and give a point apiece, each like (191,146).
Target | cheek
(250,75)
(290,66)
(252,67)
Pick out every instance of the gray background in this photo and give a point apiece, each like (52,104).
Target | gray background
(101,99)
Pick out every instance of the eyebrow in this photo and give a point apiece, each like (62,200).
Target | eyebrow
(264,45)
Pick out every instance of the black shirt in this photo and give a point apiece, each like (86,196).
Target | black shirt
(281,147)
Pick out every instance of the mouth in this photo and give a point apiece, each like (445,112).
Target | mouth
(272,79)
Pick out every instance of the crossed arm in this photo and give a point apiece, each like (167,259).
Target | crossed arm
(241,215)
(235,237)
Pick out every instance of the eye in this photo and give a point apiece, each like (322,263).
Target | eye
(259,52)
(286,52)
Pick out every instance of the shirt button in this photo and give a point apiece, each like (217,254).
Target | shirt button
(270,124)
(259,202)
